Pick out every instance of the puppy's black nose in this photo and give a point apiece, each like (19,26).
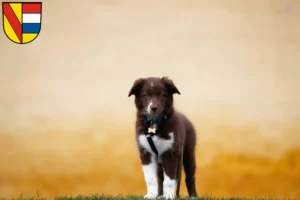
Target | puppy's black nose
(153,109)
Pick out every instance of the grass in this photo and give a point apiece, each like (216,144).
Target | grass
(102,197)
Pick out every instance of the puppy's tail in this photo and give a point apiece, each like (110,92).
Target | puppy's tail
(179,171)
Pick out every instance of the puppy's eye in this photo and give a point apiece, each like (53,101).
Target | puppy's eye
(145,94)
(163,94)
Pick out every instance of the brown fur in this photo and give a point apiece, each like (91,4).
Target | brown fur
(160,91)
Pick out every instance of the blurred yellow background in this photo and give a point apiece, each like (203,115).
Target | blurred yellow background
(67,125)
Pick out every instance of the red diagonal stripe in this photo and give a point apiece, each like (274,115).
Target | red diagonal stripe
(13,20)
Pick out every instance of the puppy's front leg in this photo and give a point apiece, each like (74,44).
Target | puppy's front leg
(170,163)
(149,165)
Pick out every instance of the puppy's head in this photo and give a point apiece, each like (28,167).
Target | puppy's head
(153,96)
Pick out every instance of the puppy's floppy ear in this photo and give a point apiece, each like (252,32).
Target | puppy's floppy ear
(170,85)
(137,86)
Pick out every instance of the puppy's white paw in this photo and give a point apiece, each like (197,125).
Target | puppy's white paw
(169,196)
(150,196)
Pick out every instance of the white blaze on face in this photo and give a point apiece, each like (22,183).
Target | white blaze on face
(149,107)
(150,173)
(169,187)
(151,84)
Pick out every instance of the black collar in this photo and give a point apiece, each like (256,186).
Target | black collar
(155,121)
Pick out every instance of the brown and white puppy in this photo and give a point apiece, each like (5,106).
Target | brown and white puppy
(175,139)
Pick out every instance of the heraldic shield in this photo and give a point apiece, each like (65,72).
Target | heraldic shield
(22,21)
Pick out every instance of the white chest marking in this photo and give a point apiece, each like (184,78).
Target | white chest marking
(161,145)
